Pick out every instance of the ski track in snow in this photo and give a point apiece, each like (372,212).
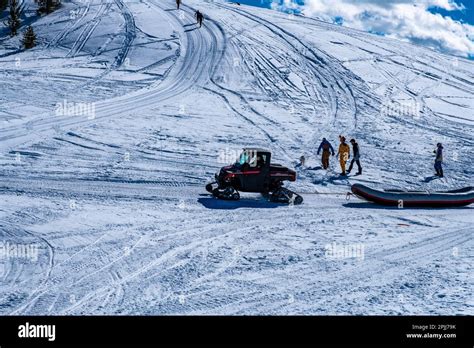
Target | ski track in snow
(117,206)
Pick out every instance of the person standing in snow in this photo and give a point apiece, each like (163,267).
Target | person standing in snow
(199,17)
(178,2)
(356,157)
(439,160)
(327,150)
(343,154)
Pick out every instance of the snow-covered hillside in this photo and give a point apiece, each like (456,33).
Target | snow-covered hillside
(113,124)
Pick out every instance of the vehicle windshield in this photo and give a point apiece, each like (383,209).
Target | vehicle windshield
(244,158)
(249,157)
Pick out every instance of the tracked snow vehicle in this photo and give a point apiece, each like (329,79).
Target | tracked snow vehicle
(254,172)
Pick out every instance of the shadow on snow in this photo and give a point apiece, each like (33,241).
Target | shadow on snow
(368,205)
(214,203)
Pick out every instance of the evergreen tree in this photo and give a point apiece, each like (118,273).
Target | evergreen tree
(3,5)
(13,21)
(29,38)
(48,6)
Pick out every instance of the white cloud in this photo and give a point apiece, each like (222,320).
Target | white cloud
(405,19)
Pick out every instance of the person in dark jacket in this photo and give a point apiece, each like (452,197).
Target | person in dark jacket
(178,2)
(439,160)
(356,157)
(199,17)
(327,150)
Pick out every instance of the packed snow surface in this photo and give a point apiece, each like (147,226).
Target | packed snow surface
(113,124)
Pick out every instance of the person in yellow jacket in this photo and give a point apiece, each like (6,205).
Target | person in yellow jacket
(343,154)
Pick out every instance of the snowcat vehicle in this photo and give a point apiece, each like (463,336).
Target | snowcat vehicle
(254,172)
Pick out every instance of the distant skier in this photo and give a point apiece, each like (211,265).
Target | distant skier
(199,17)
(356,157)
(343,154)
(178,2)
(439,160)
(327,150)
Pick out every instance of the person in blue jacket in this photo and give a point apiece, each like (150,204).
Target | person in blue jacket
(327,150)
(439,160)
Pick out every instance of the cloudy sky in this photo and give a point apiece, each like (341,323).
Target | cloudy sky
(443,24)
(446,25)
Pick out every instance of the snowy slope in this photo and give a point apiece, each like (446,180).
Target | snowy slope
(114,198)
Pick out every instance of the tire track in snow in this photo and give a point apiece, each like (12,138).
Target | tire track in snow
(55,41)
(89,28)
(318,61)
(129,37)
(167,258)
(346,100)
(385,261)
(201,56)
(108,288)
(17,233)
